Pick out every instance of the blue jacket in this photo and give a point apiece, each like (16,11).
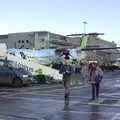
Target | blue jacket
(66,68)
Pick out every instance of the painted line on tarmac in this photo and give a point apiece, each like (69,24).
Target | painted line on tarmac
(116,117)
(101,104)
(31,88)
(72,88)
(43,100)
(46,91)
(10,95)
(80,112)
(111,95)
(82,86)
(71,96)
(2,114)
(62,89)
(46,87)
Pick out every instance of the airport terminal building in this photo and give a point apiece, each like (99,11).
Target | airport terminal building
(36,40)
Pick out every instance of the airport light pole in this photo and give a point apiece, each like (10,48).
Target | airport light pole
(84,23)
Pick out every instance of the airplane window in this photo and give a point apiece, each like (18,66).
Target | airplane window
(22,41)
(27,41)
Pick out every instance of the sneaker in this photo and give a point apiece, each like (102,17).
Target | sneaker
(92,99)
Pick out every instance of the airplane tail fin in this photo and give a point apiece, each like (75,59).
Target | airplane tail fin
(83,42)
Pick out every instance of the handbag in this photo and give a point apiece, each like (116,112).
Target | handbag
(98,78)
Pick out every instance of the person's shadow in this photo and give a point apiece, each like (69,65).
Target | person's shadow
(94,113)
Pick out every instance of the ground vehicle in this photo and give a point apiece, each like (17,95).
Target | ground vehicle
(10,75)
(3,50)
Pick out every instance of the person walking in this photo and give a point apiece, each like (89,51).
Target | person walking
(96,75)
(66,70)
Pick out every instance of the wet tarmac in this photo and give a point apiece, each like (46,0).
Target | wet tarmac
(46,102)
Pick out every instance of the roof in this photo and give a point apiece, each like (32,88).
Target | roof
(3,36)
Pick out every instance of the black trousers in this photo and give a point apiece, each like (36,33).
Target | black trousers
(95,90)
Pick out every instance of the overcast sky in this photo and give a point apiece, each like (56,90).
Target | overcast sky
(61,16)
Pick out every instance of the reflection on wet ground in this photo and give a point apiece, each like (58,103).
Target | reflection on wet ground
(94,113)
(83,112)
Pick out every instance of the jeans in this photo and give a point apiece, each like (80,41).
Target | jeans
(95,90)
